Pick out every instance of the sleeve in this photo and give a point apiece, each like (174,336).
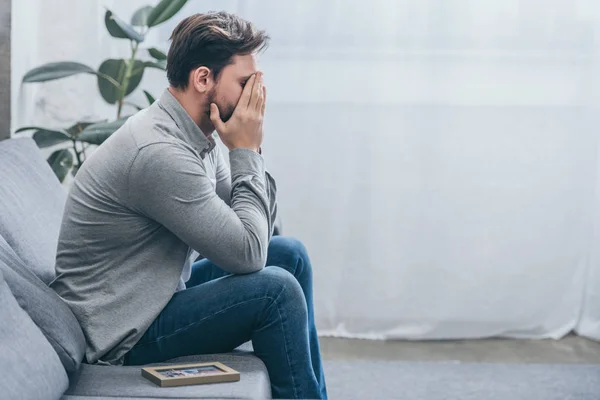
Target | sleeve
(272,195)
(169,184)
(223,176)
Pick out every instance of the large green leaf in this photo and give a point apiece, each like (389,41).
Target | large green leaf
(150,98)
(136,78)
(120,29)
(164,10)
(61,162)
(116,69)
(157,54)
(36,128)
(78,127)
(45,138)
(56,70)
(98,133)
(156,64)
(140,17)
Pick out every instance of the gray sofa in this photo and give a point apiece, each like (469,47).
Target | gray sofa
(42,343)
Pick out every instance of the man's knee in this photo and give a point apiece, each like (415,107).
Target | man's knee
(283,288)
(289,249)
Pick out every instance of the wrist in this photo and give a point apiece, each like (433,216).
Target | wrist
(247,162)
(254,149)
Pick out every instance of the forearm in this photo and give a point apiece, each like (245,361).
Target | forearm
(252,186)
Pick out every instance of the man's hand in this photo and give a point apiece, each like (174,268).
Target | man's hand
(245,127)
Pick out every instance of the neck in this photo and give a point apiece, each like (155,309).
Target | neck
(190,105)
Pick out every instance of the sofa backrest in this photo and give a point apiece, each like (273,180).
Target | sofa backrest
(31,206)
(29,367)
(49,312)
(32,201)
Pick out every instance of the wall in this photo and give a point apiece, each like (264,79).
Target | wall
(437,157)
(5,27)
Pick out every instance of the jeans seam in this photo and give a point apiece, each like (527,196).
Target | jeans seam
(287,354)
(285,344)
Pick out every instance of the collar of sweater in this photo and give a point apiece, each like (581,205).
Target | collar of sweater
(188,130)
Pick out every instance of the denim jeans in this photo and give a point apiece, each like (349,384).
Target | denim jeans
(219,311)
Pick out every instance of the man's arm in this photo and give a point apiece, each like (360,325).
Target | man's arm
(169,184)
(223,189)
(223,177)
(272,195)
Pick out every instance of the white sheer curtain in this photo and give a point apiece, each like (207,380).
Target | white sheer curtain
(439,158)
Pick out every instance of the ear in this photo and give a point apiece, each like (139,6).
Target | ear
(201,79)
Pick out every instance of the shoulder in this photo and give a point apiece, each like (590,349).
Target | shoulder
(153,126)
(162,156)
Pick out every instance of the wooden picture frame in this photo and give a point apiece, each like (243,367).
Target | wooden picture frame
(190,374)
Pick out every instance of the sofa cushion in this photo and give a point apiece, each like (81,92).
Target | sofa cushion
(45,308)
(124,382)
(29,367)
(31,205)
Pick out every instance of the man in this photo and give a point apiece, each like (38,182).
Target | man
(157,190)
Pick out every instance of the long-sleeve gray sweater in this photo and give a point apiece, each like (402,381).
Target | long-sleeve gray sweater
(157,189)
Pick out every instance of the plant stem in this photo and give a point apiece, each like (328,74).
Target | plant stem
(128,71)
(82,152)
(79,130)
(76,154)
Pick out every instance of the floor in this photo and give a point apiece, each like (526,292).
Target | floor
(570,350)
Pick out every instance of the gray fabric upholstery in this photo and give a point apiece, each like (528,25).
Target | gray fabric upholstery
(108,381)
(245,348)
(32,202)
(45,308)
(69,397)
(29,367)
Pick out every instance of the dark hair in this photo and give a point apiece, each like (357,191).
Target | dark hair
(210,40)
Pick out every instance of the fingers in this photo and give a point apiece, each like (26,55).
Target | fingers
(215,117)
(256,91)
(244,100)
(260,96)
(264,102)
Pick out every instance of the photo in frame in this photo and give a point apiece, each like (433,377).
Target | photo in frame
(190,374)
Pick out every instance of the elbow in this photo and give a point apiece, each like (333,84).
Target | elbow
(250,256)
(256,267)
(248,265)
(253,257)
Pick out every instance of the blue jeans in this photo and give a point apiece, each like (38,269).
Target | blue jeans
(219,311)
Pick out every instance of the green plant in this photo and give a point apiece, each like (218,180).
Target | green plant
(116,80)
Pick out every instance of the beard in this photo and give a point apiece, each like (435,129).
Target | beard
(225,111)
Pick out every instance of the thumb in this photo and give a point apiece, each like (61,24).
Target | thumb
(215,117)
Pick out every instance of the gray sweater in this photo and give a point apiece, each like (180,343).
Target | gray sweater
(156,190)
